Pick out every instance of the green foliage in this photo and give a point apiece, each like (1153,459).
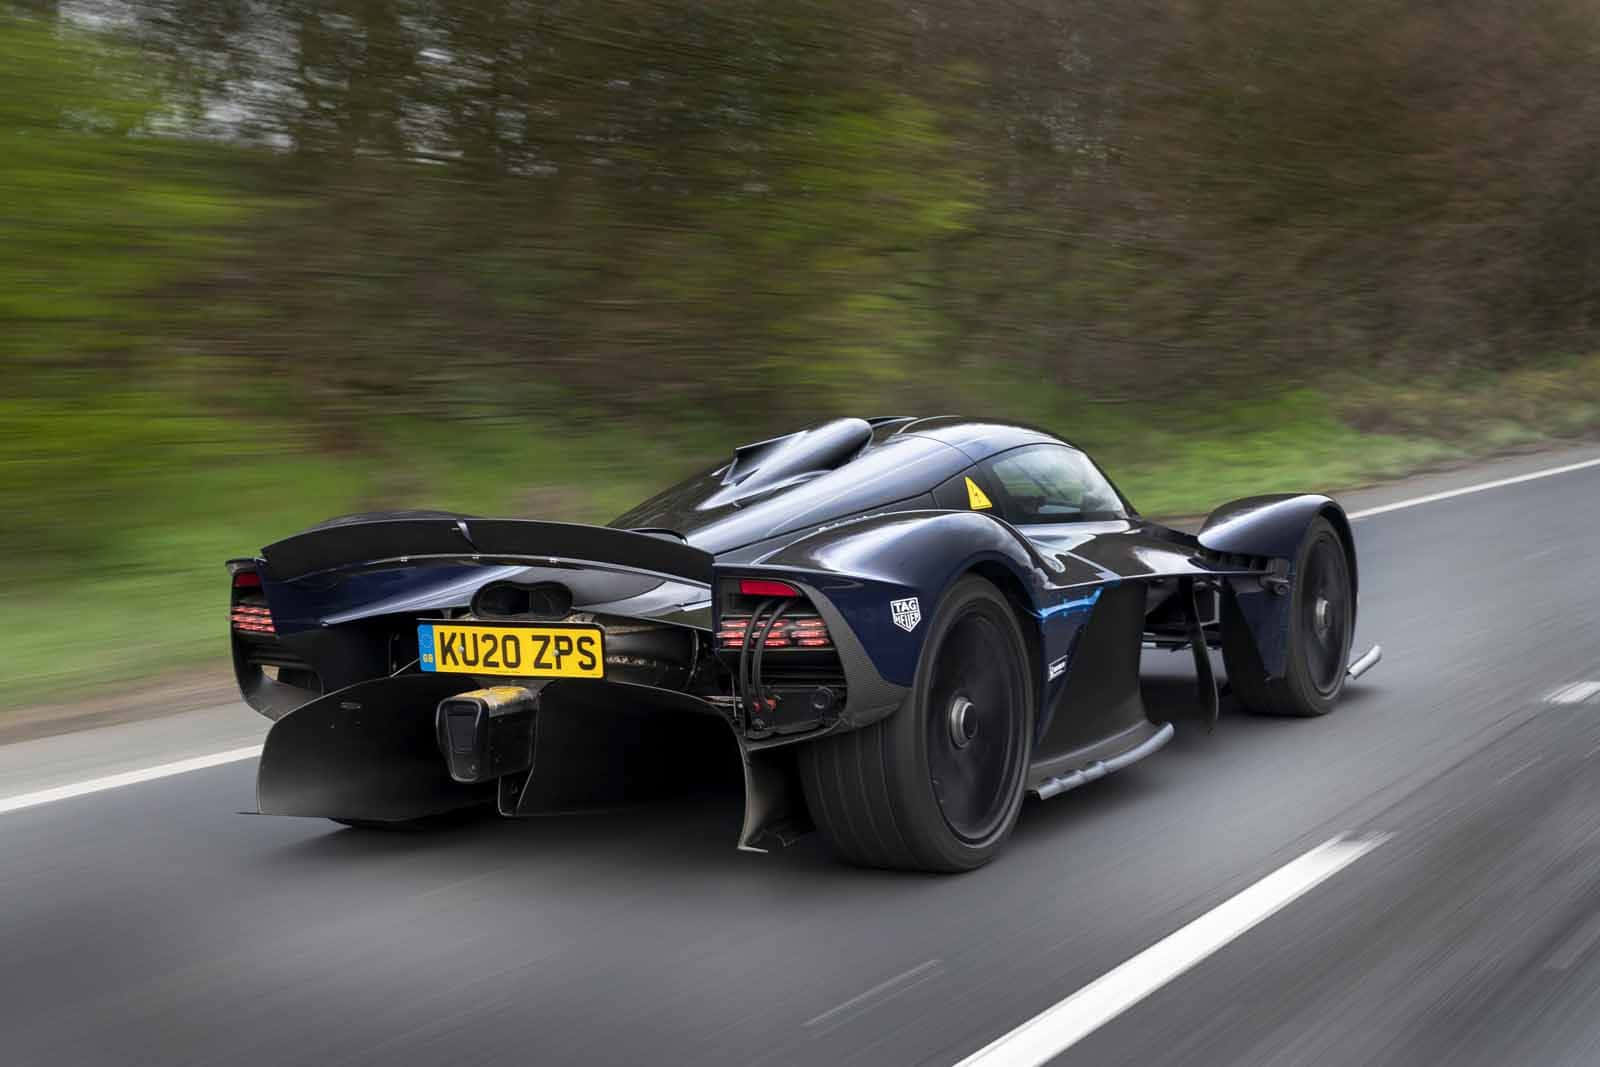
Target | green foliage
(95,217)
(93,213)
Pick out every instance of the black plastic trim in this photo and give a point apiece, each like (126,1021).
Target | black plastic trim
(869,697)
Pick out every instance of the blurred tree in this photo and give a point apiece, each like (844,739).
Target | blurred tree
(95,218)
(504,205)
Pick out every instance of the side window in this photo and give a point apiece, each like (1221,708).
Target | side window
(1052,483)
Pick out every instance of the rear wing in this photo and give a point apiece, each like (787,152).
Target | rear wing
(387,542)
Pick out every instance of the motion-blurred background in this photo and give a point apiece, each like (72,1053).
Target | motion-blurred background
(265,261)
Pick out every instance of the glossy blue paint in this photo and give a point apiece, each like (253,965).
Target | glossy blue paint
(864,565)
(712,517)
(1264,525)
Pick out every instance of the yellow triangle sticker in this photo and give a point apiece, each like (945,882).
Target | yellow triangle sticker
(976,498)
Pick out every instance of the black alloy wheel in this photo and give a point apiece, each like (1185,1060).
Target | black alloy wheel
(937,785)
(1325,615)
(975,724)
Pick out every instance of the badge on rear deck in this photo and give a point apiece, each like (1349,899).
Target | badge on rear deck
(907,613)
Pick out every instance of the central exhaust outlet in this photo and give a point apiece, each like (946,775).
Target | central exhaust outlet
(487,733)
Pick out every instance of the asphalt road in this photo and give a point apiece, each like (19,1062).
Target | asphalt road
(153,924)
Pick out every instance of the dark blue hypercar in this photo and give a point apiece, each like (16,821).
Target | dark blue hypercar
(896,628)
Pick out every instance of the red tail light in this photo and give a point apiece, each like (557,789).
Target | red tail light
(766,587)
(250,619)
(247,580)
(790,631)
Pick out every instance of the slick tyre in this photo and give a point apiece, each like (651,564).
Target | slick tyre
(1321,625)
(937,785)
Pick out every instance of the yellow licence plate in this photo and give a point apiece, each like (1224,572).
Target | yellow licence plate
(519,651)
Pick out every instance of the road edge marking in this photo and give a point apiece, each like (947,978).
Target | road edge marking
(1575,693)
(1532,476)
(1058,1028)
(115,781)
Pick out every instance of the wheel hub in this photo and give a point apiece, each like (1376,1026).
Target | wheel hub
(963,722)
(1322,615)
(975,720)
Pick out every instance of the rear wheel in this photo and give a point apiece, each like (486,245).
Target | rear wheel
(1321,625)
(937,785)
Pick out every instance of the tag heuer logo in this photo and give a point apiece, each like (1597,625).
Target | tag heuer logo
(907,613)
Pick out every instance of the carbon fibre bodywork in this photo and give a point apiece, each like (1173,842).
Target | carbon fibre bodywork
(860,517)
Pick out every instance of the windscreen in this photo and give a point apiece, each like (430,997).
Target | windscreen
(1053,483)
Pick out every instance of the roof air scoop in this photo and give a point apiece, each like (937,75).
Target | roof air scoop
(771,464)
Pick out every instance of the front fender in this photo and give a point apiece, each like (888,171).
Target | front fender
(1273,526)
(1263,525)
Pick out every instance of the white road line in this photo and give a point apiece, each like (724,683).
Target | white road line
(1548,472)
(116,781)
(1057,1029)
(1576,693)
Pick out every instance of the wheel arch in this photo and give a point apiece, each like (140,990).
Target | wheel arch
(864,565)
(1274,526)
(1270,526)
(1016,594)
(1256,611)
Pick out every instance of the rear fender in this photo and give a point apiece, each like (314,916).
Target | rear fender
(877,582)
(884,576)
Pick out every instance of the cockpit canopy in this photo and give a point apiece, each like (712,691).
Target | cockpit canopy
(845,467)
